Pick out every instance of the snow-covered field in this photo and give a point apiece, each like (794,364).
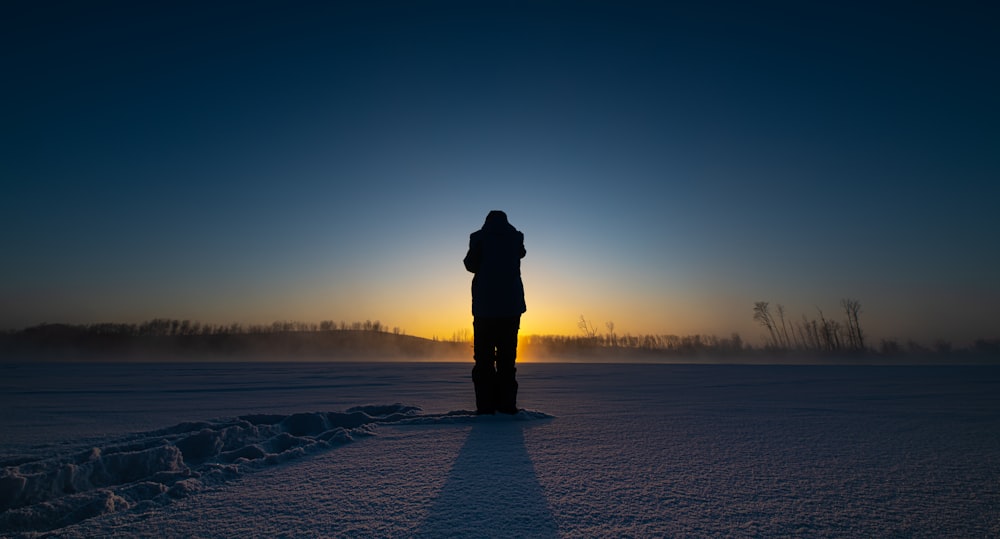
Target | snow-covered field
(385,450)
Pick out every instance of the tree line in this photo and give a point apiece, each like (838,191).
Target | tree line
(169,339)
(166,327)
(828,335)
(821,334)
(592,343)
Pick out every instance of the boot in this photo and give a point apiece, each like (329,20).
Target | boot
(505,392)
(484,380)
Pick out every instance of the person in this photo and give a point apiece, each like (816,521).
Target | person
(495,253)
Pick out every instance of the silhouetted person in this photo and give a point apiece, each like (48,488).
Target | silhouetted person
(495,253)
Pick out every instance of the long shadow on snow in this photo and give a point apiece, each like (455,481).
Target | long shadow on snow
(492,489)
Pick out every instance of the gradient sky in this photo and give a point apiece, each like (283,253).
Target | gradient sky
(669,166)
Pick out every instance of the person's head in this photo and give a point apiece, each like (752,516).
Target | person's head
(496,217)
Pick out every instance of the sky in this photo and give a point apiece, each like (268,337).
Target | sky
(669,164)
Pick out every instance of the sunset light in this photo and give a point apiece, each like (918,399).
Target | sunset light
(309,172)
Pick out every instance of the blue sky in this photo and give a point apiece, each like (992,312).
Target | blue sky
(254,161)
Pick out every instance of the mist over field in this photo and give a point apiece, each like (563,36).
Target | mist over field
(182,340)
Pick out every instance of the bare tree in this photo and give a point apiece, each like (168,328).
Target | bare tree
(587,328)
(461,335)
(852,308)
(762,314)
(814,331)
(829,331)
(784,327)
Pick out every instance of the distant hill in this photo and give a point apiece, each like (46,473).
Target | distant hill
(61,342)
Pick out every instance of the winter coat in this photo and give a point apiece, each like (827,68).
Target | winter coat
(495,253)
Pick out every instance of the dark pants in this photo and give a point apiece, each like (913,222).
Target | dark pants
(495,349)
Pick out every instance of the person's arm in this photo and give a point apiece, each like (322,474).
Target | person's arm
(474,256)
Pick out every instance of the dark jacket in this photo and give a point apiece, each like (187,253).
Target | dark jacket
(495,253)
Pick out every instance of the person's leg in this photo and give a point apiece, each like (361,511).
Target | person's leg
(506,382)
(484,372)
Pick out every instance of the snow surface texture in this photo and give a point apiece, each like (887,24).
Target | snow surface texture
(151,469)
(633,451)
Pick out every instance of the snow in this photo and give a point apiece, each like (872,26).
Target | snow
(389,450)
